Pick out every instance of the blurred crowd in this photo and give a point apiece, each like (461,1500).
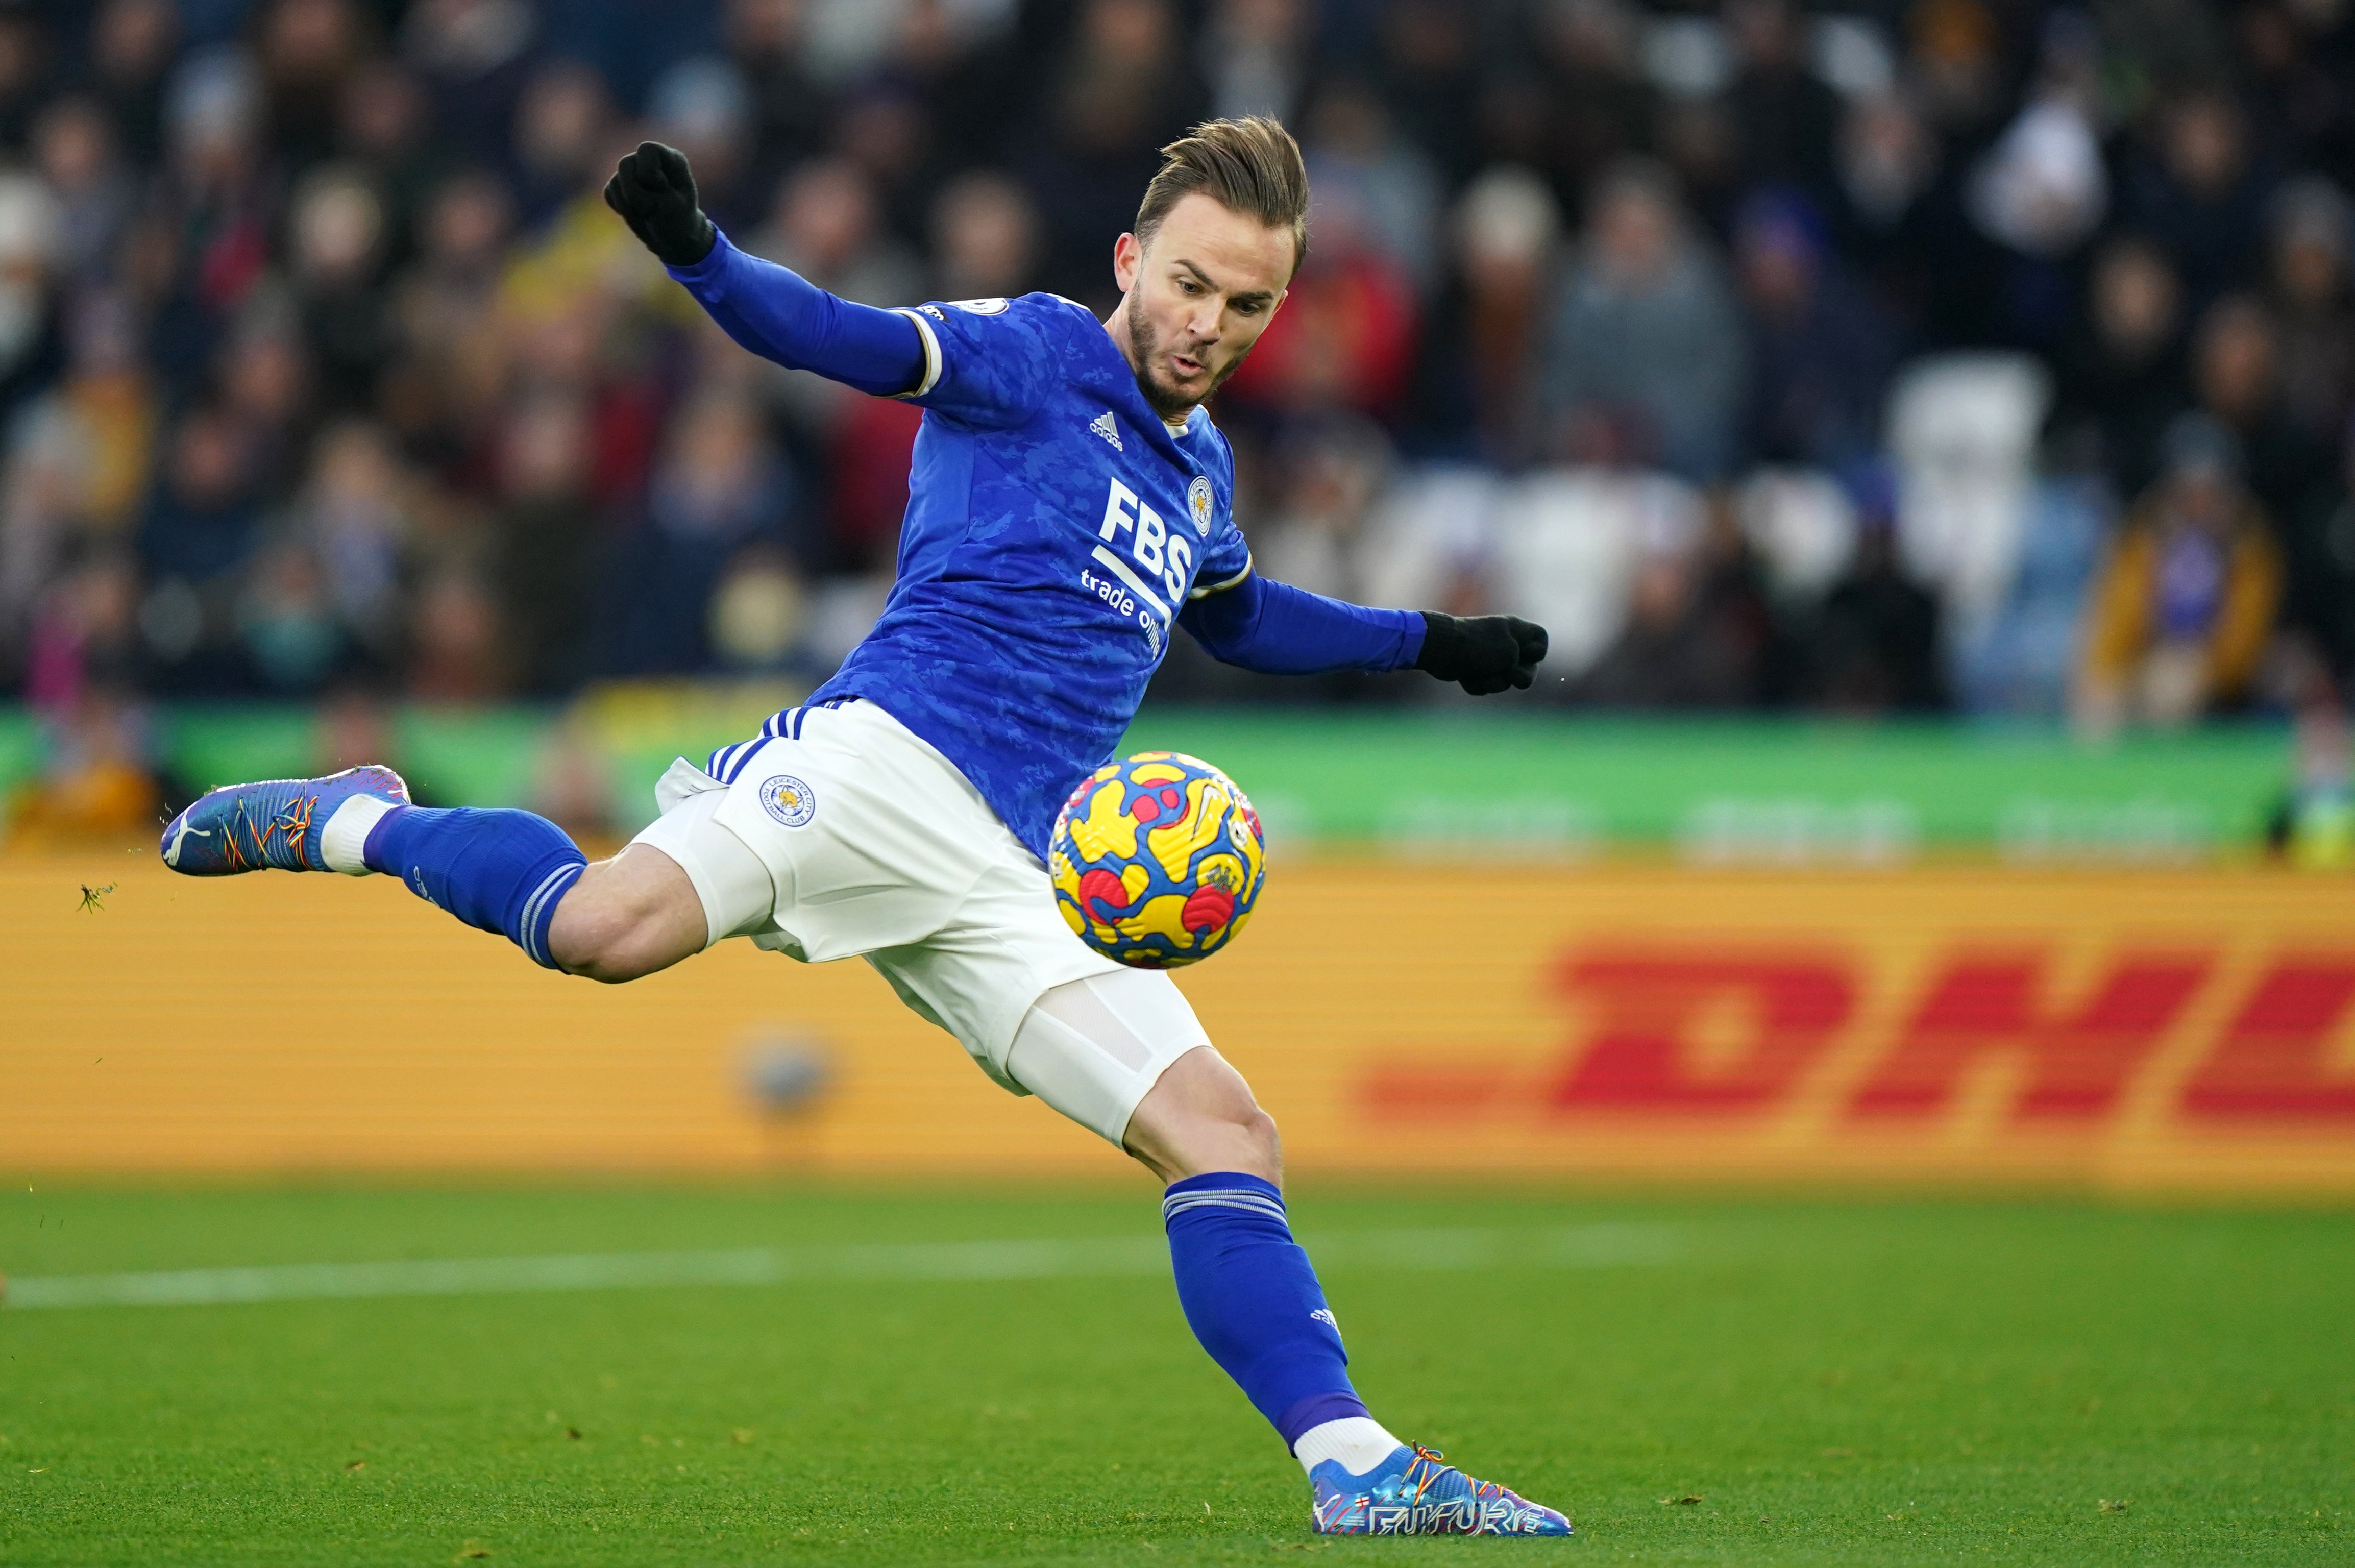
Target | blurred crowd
(1917,354)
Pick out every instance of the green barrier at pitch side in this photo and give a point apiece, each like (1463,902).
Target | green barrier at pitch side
(1739,789)
(1735,789)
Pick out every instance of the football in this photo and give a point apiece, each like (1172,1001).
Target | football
(1156,861)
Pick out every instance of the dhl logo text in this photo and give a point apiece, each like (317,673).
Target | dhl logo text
(1694,1029)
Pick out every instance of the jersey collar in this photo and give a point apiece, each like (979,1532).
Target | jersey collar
(1117,381)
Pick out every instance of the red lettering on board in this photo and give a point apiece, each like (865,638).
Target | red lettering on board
(2269,1063)
(1641,1055)
(2078,1060)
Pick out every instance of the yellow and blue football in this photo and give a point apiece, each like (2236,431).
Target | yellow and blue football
(1156,861)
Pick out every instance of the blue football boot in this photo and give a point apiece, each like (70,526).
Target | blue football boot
(274,824)
(1412,1493)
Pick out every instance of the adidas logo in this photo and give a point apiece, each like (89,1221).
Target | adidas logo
(1102,425)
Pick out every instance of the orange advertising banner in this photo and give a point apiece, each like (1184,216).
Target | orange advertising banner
(2193,1029)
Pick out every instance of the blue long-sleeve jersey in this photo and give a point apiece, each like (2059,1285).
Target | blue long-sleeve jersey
(1056,528)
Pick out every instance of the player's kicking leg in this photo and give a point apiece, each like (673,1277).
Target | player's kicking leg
(1247,1287)
(505,872)
(1118,1052)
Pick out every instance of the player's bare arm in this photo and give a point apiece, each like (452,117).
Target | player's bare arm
(910,811)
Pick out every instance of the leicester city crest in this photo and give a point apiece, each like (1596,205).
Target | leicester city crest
(790,801)
(1198,503)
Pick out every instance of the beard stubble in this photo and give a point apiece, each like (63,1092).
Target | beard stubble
(1144,352)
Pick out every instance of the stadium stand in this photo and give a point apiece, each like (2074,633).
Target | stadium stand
(1893,358)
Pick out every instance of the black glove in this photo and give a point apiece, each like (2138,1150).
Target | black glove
(654,192)
(1485,653)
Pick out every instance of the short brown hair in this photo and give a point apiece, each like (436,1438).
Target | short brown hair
(1250,165)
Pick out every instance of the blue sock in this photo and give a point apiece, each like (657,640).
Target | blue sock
(497,870)
(1254,1302)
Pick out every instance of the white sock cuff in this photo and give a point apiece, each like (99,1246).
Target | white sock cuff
(1358,1441)
(346,834)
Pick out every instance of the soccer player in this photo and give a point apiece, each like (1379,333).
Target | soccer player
(1070,505)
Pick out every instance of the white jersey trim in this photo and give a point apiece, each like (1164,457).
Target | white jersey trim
(1221,587)
(932,354)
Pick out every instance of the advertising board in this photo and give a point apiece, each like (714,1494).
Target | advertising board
(1974,1022)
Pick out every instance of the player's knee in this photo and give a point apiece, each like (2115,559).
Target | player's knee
(594,944)
(1202,1118)
(1238,1137)
(602,939)
(1233,1113)
(626,918)
(610,966)
(1257,1132)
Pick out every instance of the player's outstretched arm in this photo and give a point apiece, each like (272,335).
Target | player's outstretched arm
(1278,629)
(769,310)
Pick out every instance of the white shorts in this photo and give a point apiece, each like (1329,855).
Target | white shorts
(848,836)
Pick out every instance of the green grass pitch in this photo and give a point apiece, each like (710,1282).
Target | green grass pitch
(1752,1379)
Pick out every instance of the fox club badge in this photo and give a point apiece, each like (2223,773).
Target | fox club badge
(789,800)
(1198,503)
